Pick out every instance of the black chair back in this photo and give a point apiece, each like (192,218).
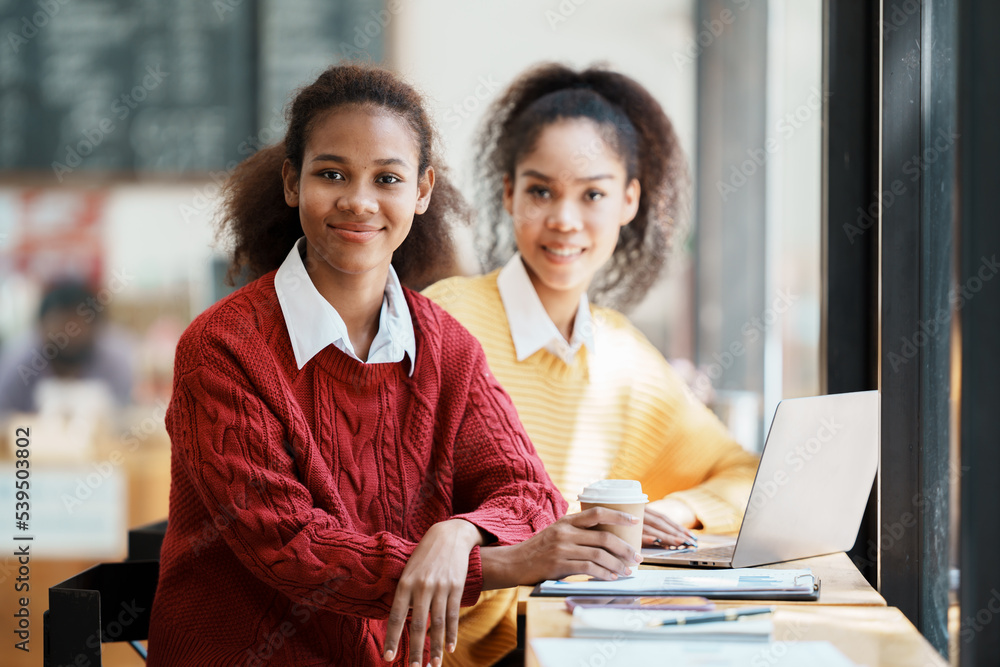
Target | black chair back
(110,602)
(144,542)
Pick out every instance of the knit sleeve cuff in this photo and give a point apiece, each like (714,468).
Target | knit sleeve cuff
(715,514)
(512,528)
(474,578)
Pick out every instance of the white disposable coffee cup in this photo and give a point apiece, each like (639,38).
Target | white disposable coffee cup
(624,495)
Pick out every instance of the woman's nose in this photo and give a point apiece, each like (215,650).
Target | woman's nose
(358,200)
(564,217)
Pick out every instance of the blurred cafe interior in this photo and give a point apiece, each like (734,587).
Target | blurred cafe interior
(839,236)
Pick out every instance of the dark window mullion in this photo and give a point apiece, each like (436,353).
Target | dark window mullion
(849,338)
(978,53)
(915,252)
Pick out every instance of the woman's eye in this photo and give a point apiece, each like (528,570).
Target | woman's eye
(388,179)
(540,192)
(595,195)
(332,175)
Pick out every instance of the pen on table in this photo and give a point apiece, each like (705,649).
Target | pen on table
(713,617)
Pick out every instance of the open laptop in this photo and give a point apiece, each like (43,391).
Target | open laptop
(812,485)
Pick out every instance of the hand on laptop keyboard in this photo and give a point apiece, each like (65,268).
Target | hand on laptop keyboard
(659,530)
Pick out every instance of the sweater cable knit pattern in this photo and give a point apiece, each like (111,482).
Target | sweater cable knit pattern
(297,496)
(619,411)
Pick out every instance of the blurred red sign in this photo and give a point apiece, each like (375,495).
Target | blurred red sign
(57,234)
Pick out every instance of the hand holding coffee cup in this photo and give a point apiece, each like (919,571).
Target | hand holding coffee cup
(623,495)
(571,545)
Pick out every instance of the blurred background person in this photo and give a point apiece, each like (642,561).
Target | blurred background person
(72,352)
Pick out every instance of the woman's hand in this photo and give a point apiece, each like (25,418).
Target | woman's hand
(432,585)
(667,529)
(566,547)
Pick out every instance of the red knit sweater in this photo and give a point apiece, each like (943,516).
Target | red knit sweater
(297,496)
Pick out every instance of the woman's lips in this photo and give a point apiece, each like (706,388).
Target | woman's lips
(355,233)
(562,255)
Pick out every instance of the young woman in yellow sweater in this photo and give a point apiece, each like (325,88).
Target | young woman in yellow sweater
(588,167)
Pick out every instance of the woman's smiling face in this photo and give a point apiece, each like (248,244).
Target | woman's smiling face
(358,189)
(569,198)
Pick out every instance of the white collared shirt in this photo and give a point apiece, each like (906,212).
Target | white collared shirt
(531,328)
(313,323)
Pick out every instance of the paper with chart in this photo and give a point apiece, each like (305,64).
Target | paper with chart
(611,653)
(688,582)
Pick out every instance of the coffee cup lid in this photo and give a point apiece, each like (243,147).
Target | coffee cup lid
(614,491)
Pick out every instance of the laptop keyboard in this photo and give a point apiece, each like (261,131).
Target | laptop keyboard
(725,551)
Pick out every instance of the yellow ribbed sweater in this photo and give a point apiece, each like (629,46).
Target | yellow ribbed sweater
(620,412)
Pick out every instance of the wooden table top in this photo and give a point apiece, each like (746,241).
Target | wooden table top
(868,635)
(849,613)
(841,582)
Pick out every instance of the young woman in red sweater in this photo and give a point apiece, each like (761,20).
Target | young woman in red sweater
(342,455)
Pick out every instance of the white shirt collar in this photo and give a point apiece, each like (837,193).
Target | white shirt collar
(531,328)
(313,323)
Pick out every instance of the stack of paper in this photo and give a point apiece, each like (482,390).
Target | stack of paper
(742,582)
(620,653)
(643,624)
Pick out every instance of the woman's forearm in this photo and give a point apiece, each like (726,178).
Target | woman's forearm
(497,570)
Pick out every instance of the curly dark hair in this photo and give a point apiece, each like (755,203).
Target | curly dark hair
(632,123)
(263,228)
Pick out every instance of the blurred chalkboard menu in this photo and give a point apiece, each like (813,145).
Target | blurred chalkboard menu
(163,86)
(301,38)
